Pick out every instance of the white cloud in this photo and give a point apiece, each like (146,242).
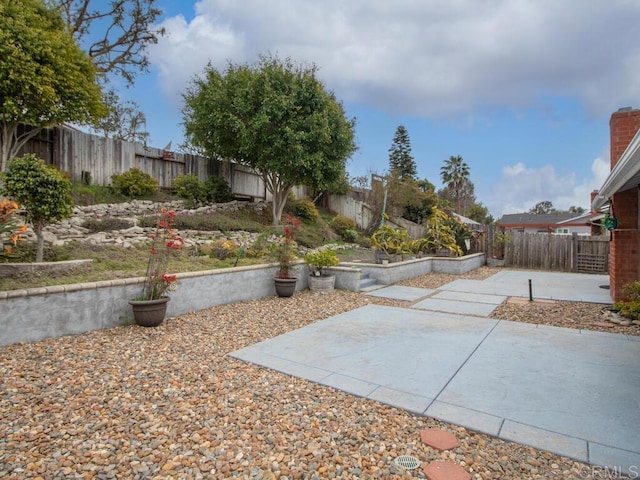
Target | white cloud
(426,58)
(520,188)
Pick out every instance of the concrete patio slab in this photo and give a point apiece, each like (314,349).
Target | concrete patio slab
(559,389)
(399,292)
(577,287)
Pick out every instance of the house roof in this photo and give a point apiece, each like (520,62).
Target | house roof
(583,218)
(624,176)
(541,219)
(466,220)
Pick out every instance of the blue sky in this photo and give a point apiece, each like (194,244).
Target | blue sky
(521,89)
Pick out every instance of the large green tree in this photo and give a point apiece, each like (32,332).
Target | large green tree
(45,78)
(455,175)
(275,117)
(401,163)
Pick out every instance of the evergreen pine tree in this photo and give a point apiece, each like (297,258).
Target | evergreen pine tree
(401,163)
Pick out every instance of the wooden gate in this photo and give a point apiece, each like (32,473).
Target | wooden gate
(592,254)
(564,253)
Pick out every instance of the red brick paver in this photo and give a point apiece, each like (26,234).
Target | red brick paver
(445,471)
(439,439)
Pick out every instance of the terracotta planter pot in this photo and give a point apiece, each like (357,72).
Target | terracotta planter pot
(149,313)
(285,286)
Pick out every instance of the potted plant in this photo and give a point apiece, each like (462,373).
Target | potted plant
(389,242)
(150,308)
(283,252)
(319,281)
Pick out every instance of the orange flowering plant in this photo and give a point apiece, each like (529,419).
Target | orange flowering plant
(166,243)
(9,228)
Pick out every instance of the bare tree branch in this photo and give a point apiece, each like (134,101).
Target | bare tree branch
(116,34)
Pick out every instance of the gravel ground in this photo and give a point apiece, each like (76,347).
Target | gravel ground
(129,402)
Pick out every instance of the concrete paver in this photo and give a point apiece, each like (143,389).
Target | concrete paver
(572,392)
(399,292)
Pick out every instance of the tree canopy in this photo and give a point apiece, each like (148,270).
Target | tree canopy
(45,78)
(401,163)
(455,176)
(275,117)
(123,120)
(546,207)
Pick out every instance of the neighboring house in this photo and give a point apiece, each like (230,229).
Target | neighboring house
(620,194)
(471,224)
(555,223)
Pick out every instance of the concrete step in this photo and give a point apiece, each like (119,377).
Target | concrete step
(368,284)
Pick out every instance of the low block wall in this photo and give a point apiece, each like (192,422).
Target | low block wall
(399,271)
(38,313)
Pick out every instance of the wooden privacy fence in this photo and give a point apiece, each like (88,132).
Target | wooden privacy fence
(92,159)
(564,253)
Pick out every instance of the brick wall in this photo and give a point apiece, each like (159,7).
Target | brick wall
(623,125)
(624,257)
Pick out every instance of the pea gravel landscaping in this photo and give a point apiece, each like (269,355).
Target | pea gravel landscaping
(169,403)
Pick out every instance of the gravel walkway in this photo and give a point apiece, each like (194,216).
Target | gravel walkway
(129,402)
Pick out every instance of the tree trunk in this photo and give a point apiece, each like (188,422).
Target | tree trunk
(10,143)
(279,201)
(37,229)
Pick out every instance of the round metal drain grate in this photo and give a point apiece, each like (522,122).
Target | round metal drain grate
(407,462)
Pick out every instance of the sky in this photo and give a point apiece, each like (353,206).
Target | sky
(522,89)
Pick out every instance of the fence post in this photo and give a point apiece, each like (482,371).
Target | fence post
(574,252)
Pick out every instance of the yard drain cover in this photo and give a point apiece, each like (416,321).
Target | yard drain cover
(407,462)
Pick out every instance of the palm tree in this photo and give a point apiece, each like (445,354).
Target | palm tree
(455,173)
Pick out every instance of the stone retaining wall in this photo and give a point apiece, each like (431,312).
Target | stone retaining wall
(72,228)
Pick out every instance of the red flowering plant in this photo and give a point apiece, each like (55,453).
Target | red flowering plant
(284,252)
(166,243)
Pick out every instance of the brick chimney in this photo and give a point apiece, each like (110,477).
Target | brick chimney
(623,125)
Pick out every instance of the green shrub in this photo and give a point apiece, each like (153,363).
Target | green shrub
(222,249)
(134,183)
(341,224)
(630,307)
(189,188)
(320,260)
(106,224)
(217,190)
(391,241)
(93,194)
(260,247)
(350,236)
(306,210)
